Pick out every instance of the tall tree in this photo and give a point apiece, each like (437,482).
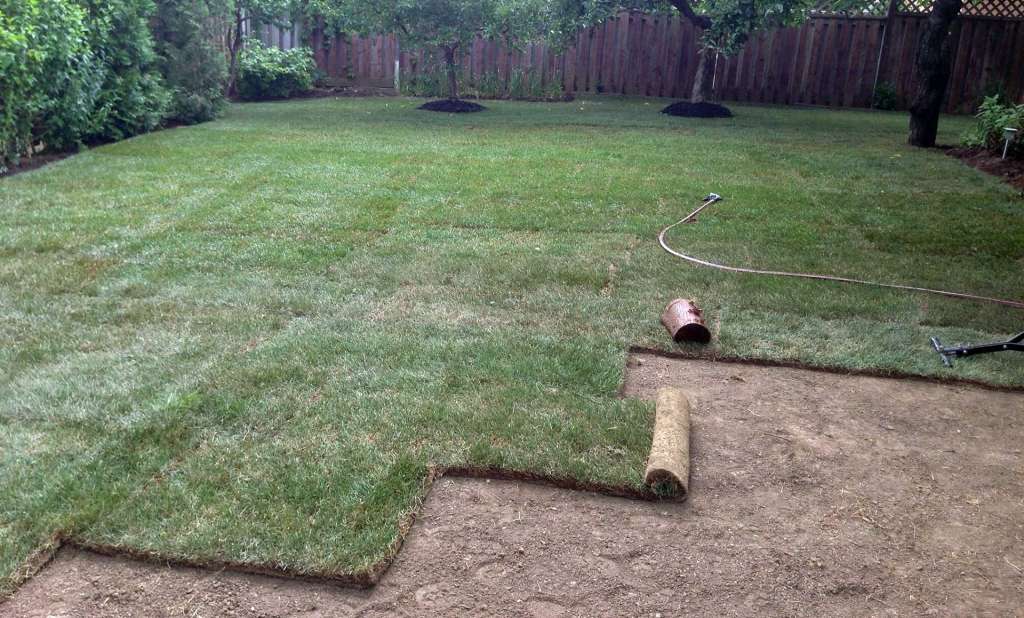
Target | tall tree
(725,25)
(244,15)
(194,69)
(448,26)
(933,60)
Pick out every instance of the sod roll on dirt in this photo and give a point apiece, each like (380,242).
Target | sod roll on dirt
(668,465)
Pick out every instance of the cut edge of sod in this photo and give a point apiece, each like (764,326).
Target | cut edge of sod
(363,579)
(893,374)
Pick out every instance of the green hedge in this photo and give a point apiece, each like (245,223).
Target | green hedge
(76,72)
(193,68)
(271,73)
(132,98)
(49,76)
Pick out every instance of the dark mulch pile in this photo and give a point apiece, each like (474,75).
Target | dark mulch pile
(1010,170)
(697,110)
(452,106)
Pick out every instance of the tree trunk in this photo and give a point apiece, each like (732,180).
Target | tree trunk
(453,82)
(233,49)
(933,65)
(705,77)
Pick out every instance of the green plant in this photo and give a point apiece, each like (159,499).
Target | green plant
(489,86)
(994,117)
(248,15)
(429,82)
(884,96)
(271,73)
(132,98)
(554,89)
(527,84)
(48,77)
(523,84)
(73,72)
(517,87)
(193,68)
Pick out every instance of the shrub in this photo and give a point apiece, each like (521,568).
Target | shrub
(132,98)
(527,84)
(432,82)
(73,72)
(522,84)
(193,69)
(271,73)
(884,97)
(994,116)
(49,78)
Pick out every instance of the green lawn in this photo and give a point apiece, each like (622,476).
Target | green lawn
(248,340)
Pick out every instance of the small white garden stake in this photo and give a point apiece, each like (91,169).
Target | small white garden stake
(1008,133)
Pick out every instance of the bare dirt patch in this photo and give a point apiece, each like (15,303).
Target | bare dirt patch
(811,494)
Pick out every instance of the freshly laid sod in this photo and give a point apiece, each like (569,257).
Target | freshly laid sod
(248,341)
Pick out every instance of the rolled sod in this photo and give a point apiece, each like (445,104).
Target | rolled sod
(668,465)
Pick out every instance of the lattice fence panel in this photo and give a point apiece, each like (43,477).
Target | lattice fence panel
(874,8)
(1013,9)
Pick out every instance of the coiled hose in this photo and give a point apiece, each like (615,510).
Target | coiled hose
(712,198)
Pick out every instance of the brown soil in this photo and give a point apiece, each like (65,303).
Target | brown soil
(351,90)
(811,494)
(35,162)
(1010,170)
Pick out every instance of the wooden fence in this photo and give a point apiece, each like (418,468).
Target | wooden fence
(829,60)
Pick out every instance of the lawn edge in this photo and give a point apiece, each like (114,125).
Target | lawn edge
(32,565)
(892,374)
(360,580)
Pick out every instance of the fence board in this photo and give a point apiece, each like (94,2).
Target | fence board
(1016,81)
(594,66)
(829,60)
(855,67)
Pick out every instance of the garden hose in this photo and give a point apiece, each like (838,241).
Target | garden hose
(712,198)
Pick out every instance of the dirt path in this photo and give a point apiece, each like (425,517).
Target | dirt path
(811,494)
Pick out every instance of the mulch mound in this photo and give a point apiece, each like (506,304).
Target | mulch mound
(452,106)
(697,110)
(1010,170)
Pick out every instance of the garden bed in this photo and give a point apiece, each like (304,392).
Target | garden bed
(1010,170)
(35,162)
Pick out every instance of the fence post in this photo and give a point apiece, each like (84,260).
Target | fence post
(890,19)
